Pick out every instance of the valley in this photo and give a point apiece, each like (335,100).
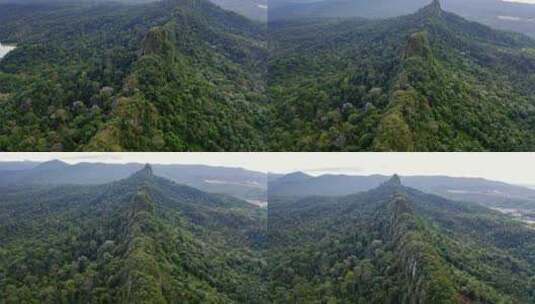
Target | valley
(253,9)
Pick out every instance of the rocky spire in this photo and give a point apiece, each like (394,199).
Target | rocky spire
(394,181)
(433,9)
(147,170)
(143,173)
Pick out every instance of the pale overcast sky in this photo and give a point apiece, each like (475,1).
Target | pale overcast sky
(521,1)
(518,168)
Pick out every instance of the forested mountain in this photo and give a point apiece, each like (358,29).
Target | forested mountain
(237,182)
(427,81)
(394,244)
(166,75)
(143,239)
(507,15)
(301,184)
(517,200)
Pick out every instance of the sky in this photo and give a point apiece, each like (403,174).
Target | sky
(516,168)
(521,1)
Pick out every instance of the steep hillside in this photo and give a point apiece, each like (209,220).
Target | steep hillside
(169,75)
(140,240)
(396,245)
(427,81)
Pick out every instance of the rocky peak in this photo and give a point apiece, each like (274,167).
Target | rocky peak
(393,182)
(147,170)
(144,173)
(434,9)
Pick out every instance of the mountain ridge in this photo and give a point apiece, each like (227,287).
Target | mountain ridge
(140,239)
(419,247)
(130,75)
(396,84)
(510,16)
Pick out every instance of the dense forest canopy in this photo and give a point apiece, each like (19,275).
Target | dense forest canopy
(394,244)
(167,75)
(430,81)
(147,239)
(237,182)
(180,75)
(143,239)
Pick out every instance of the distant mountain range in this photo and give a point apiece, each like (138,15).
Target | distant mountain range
(244,184)
(253,186)
(492,194)
(506,15)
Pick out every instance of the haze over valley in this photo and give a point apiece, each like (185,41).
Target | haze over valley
(502,14)
(4,49)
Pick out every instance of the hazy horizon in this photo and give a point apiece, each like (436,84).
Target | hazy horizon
(506,167)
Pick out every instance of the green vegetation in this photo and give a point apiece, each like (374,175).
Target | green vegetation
(140,240)
(172,75)
(185,75)
(146,239)
(396,245)
(430,81)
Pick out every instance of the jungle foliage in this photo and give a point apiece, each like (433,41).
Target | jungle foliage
(430,81)
(395,244)
(143,239)
(172,75)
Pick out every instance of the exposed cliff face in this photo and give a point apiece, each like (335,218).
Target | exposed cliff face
(409,111)
(143,239)
(418,45)
(434,9)
(422,266)
(159,41)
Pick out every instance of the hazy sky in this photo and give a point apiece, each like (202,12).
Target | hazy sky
(516,168)
(521,1)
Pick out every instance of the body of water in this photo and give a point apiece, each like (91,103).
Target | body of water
(5,48)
